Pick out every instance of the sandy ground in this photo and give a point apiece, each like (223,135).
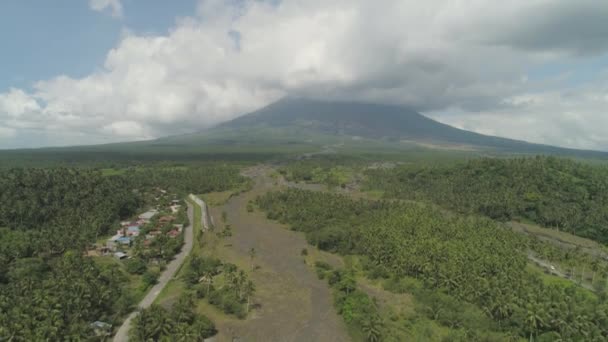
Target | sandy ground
(292,304)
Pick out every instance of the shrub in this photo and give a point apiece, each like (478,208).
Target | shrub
(136,266)
(150,278)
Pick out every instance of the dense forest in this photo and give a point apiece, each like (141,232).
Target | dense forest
(552,192)
(50,211)
(183,180)
(461,259)
(49,217)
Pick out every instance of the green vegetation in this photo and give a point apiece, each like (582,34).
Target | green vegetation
(57,299)
(457,260)
(196,179)
(53,210)
(330,170)
(48,289)
(180,323)
(552,192)
(358,310)
(222,284)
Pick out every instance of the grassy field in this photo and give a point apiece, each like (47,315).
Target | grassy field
(557,236)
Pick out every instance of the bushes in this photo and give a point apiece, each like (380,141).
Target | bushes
(136,266)
(199,267)
(223,285)
(227,301)
(356,308)
(150,278)
(323,269)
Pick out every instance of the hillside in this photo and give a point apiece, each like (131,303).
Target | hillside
(299,126)
(297,120)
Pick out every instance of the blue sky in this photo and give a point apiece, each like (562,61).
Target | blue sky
(98,71)
(43,39)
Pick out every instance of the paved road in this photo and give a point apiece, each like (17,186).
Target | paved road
(205,217)
(123,332)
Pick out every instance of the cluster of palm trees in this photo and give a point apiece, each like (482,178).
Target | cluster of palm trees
(180,323)
(558,193)
(223,284)
(57,300)
(470,258)
(48,291)
(69,207)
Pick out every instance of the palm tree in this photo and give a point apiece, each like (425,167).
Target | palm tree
(533,321)
(248,291)
(207,279)
(252,253)
(372,327)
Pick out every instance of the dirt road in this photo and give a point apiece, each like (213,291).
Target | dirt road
(552,269)
(123,332)
(293,304)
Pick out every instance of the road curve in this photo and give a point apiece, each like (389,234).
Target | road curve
(122,334)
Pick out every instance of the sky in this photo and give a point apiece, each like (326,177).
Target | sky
(99,71)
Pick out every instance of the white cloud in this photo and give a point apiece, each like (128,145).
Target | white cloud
(233,57)
(569,118)
(115,6)
(7,133)
(16,103)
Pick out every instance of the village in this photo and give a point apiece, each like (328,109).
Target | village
(154,235)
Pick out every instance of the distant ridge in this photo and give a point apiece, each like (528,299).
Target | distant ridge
(299,123)
(370,121)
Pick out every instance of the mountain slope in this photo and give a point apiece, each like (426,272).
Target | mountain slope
(299,120)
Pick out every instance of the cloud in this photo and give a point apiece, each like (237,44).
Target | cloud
(466,57)
(7,133)
(115,6)
(569,118)
(572,27)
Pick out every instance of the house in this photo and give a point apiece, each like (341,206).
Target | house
(125,223)
(120,255)
(175,208)
(173,233)
(101,328)
(166,219)
(133,231)
(175,202)
(124,241)
(179,227)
